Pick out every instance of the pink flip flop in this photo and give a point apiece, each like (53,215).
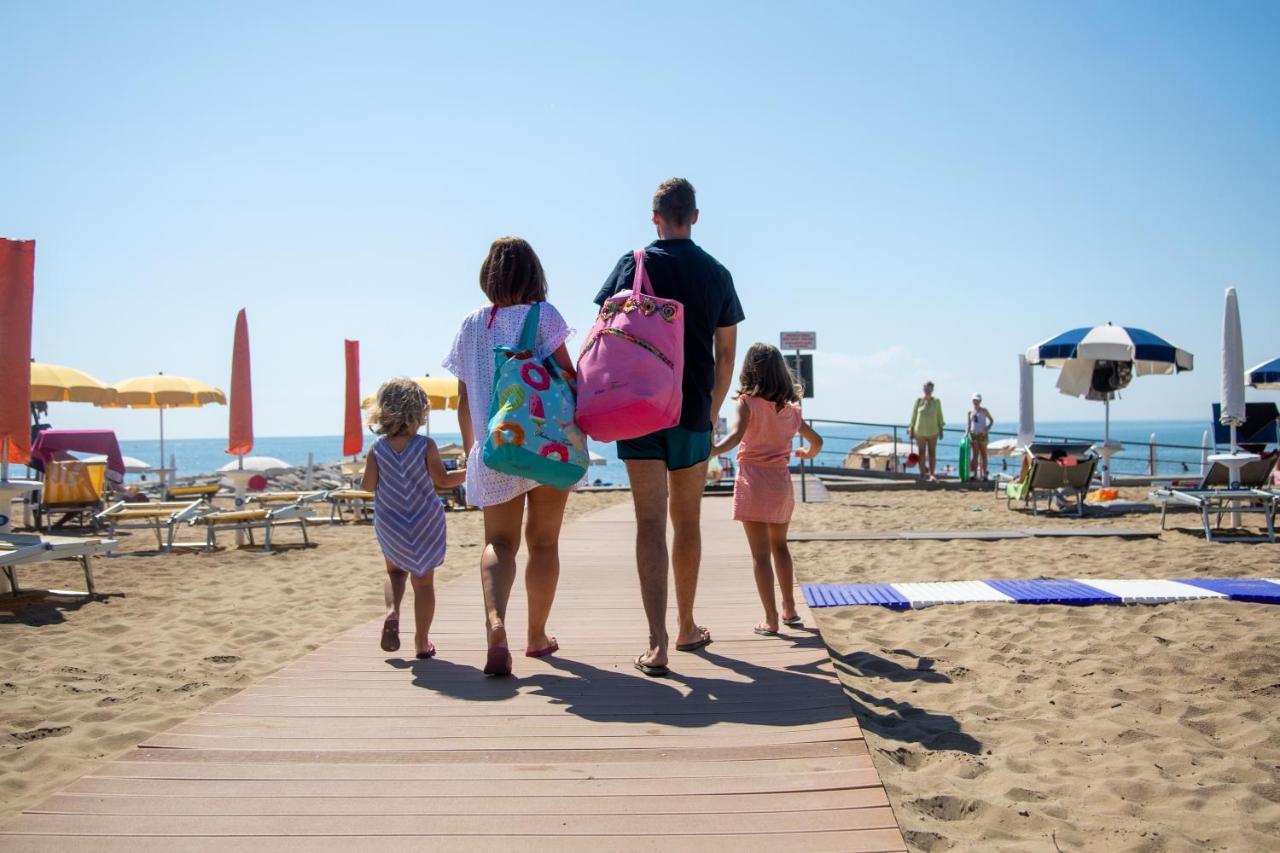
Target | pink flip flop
(498,662)
(542,653)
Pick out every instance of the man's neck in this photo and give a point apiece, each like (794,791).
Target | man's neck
(685,233)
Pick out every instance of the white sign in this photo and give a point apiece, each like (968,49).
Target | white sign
(798,340)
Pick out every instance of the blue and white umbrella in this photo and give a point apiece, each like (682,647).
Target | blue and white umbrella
(1265,376)
(1150,354)
(1077,352)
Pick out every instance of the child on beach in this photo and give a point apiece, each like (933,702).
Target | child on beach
(767,419)
(512,279)
(403,470)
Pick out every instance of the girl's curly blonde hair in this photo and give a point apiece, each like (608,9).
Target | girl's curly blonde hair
(402,408)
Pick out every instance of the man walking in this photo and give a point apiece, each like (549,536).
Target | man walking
(668,468)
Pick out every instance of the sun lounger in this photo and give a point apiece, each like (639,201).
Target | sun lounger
(277,498)
(72,489)
(1054,480)
(158,516)
(250,520)
(358,501)
(1215,496)
(19,549)
(200,491)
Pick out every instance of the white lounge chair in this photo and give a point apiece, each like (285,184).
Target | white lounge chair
(1215,496)
(156,516)
(20,549)
(250,520)
(358,501)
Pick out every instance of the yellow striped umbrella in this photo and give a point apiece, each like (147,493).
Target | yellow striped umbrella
(53,383)
(163,392)
(442,391)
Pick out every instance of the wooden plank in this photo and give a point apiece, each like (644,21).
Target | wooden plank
(749,744)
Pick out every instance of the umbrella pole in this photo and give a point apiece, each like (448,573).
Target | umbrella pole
(1106,442)
(163,476)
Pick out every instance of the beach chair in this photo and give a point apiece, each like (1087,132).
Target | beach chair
(199,491)
(278,498)
(160,517)
(72,489)
(358,501)
(1047,477)
(1215,496)
(19,549)
(249,520)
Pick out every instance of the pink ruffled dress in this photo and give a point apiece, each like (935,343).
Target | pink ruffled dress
(762,489)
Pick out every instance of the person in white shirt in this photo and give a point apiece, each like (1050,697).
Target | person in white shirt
(978,426)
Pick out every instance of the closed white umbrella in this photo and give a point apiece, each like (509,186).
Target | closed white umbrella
(1026,403)
(1232,367)
(258,464)
(131,465)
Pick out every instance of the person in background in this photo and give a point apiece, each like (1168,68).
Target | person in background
(978,426)
(924,428)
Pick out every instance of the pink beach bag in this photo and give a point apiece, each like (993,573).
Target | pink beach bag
(631,366)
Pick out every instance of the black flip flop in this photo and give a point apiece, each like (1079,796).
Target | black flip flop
(390,635)
(694,646)
(428,654)
(651,670)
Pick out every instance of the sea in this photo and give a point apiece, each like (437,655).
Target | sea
(1178,449)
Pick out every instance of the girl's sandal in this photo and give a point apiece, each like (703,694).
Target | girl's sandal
(391,635)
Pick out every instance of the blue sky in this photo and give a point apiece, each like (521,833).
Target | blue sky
(931,187)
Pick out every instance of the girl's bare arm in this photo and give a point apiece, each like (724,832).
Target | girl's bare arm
(370,481)
(443,478)
(741,418)
(814,440)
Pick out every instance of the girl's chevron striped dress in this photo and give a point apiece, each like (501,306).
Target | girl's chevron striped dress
(407,514)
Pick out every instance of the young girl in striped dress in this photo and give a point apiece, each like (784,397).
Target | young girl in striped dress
(403,470)
(767,421)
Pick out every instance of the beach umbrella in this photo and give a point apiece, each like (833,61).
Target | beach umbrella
(1026,404)
(1232,399)
(163,392)
(257,464)
(1097,362)
(17,286)
(352,428)
(132,465)
(596,458)
(54,383)
(441,391)
(240,422)
(1006,446)
(1265,376)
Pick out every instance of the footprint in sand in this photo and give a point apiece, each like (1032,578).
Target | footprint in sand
(32,735)
(222,658)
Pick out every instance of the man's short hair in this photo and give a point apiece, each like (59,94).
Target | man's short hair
(675,201)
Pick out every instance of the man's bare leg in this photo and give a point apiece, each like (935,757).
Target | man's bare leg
(649,493)
(685,500)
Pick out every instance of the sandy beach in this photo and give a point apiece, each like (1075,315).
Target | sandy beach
(1145,728)
(85,681)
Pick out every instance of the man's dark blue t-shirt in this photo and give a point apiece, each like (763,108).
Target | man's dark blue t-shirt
(679,270)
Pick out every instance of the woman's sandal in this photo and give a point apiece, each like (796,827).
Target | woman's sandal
(391,635)
(498,662)
(429,653)
(653,670)
(542,653)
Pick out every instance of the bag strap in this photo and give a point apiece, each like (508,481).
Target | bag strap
(529,331)
(640,283)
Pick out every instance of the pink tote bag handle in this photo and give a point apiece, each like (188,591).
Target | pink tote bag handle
(640,284)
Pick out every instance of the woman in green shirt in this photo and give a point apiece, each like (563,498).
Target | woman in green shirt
(924,429)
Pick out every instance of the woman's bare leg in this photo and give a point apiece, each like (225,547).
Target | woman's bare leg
(922,451)
(393,590)
(498,565)
(758,541)
(424,610)
(783,568)
(542,570)
(933,457)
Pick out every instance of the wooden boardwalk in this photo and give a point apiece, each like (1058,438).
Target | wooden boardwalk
(750,745)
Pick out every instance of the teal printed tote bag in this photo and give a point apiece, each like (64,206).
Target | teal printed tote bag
(531,416)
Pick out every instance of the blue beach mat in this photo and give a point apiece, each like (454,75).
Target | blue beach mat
(905,596)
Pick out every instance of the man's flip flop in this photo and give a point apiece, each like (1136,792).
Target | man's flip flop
(542,653)
(765,632)
(429,653)
(793,622)
(694,646)
(652,670)
(391,635)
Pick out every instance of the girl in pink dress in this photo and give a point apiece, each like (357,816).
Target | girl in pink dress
(768,418)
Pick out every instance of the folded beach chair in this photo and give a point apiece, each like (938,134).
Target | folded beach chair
(1214,496)
(72,489)
(277,498)
(199,491)
(24,549)
(250,520)
(161,517)
(1050,478)
(357,501)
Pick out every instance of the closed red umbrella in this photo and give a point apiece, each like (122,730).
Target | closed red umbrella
(240,428)
(17,275)
(353,429)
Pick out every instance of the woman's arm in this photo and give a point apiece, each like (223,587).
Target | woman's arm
(815,442)
(464,419)
(741,418)
(435,466)
(370,481)
(911,424)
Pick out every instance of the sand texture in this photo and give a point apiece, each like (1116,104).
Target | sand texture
(83,681)
(1017,727)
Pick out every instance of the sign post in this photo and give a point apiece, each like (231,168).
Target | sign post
(801,341)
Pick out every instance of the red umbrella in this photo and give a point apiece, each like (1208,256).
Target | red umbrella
(17,275)
(240,427)
(353,429)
